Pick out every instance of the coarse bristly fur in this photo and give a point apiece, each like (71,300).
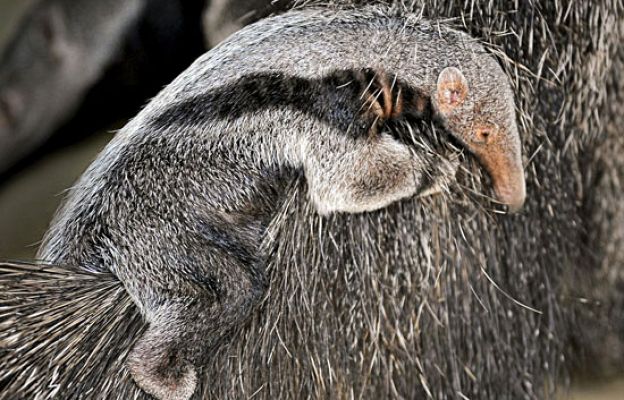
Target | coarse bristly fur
(178,204)
(436,297)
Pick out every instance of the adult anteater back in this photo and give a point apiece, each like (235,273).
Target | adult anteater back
(437,297)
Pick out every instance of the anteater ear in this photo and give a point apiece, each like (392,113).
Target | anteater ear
(452,88)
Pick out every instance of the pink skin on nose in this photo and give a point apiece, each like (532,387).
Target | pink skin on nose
(505,169)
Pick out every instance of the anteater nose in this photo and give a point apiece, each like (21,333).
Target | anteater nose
(513,196)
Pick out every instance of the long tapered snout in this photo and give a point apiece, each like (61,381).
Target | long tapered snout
(498,149)
(504,164)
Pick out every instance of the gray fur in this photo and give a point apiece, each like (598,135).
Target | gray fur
(432,298)
(601,282)
(177,205)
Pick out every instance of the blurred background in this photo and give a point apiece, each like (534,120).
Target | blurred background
(72,72)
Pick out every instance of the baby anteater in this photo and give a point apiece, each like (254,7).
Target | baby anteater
(177,205)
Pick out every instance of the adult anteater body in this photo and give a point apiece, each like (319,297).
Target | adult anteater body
(439,297)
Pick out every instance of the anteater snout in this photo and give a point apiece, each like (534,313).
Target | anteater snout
(507,173)
(513,193)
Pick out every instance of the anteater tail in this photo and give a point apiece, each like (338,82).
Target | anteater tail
(64,333)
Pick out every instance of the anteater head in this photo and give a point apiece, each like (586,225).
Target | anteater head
(480,112)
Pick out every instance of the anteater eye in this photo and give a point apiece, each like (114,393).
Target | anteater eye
(483,135)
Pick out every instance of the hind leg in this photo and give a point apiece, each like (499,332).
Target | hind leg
(185,330)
